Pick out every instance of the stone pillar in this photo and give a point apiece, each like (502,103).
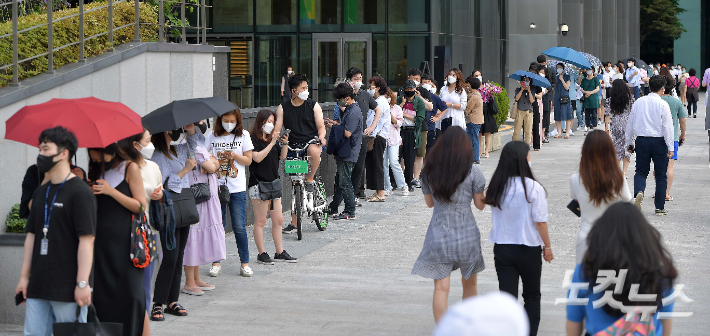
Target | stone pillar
(622,30)
(592,26)
(609,36)
(572,15)
(634,16)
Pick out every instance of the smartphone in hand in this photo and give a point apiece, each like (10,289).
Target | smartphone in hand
(19,298)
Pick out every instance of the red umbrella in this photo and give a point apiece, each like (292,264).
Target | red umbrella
(96,123)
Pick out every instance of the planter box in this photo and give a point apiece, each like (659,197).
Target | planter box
(11,254)
(496,140)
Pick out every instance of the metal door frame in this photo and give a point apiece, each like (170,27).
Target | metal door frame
(341,38)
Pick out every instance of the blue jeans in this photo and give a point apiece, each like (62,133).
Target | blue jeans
(636,94)
(238,213)
(392,161)
(472,131)
(580,113)
(147,279)
(655,149)
(591,117)
(344,187)
(41,314)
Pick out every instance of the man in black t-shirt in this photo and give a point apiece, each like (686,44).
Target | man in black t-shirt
(59,248)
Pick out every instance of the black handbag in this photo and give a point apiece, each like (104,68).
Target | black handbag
(201,191)
(564,100)
(89,328)
(184,207)
(223,193)
(269,190)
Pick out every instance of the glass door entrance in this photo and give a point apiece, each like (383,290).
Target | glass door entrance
(334,54)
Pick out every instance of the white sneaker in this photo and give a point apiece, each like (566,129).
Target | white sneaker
(388,192)
(570,133)
(586,129)
(246,272)
(553,133)
(405,191)
(215,270)
(579,128)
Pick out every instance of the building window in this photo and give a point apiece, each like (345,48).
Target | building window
(405,51)
(364,15)
(276,16)
(231,16)
(408,15)
(305,60)
(273,54)
(241,82)
(320,16)
(379,55)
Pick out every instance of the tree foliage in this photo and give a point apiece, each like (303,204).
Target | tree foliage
(661,17)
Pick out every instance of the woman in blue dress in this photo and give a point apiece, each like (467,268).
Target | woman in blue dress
(563,111)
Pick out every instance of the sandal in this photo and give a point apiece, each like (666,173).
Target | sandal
(669,199)
(375,198)
(157,310)
(176,310)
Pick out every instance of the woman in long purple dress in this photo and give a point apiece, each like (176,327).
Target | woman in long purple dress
(205,243)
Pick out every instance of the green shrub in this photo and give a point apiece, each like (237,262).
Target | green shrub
(503,104)
(34,42)
(14,223)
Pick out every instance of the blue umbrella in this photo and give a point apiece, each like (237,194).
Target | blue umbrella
(535,78)
(568,55)
(569,68)
(593,60)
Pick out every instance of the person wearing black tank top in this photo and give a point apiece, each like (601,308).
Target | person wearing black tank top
(304,117)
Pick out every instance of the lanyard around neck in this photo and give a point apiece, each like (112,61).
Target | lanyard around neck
(48,214)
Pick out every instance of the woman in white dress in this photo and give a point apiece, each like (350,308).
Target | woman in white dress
(455,98)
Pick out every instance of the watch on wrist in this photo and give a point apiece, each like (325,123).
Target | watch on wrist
(82,284)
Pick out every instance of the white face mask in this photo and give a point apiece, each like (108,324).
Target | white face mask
(630,64)
(559,71)
(267,128)
(147,151)
(229,127)
(303,95)
(589,72)
(427,86)
(357,85)
(432,90)
(371,92)
(416,83)
(542,74)
(451,79)
(389,99)
(480,78)
(290,72)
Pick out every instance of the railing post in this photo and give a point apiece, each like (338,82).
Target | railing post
(81,31)
(110,24)
(161,23)
(137,34)
(182,17)
(204,22)
(50,36)
(15,66)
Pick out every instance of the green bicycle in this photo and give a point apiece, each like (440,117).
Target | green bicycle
(297,166)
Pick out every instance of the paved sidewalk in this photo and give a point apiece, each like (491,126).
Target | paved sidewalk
(354,278)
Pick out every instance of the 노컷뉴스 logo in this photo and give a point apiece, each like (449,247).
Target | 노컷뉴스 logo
(608,277)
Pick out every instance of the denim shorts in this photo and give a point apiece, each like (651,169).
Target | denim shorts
(254,194)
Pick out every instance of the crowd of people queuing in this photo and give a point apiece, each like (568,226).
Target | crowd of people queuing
(421,136)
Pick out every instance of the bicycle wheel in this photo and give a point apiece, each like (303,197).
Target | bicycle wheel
(320,217)
(298,194)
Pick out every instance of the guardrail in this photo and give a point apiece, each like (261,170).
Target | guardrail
(201,28)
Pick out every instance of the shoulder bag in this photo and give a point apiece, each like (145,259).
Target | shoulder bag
(162,217)
(184,207)
(143,245)
(91,328)
(269,190)
(223,190)
(201,190)
(514,111)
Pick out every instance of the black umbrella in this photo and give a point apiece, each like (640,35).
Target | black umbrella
(184,112)
(639,63)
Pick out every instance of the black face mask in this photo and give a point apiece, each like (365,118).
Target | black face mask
(109,165)
(46,163)
(175,135)
(408,94)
